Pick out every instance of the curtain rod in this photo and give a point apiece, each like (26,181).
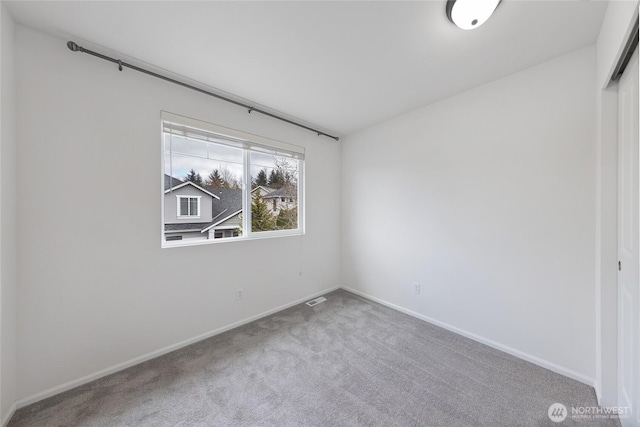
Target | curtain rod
(75,48)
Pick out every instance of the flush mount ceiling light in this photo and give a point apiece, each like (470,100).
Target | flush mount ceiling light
(470,14)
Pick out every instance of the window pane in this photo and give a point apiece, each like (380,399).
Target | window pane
(216,171)
(225,167)
(187,146)
(184,206)
(274,182)
(193,209)
(223,153)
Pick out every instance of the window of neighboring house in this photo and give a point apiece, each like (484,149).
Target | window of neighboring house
(213,171)
(188,207)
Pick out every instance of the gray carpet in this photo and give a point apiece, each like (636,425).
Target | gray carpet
(345,362)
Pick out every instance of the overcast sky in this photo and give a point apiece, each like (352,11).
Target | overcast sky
(204,157)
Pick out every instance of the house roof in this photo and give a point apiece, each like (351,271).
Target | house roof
(228,205)
(222,218)
(267,189)
(170,181)
(229,200)
(281,192)
(185,183)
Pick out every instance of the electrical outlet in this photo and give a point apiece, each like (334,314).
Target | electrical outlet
(239,294)
(416,288)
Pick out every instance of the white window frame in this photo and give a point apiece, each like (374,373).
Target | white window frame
(179,215)
(246,142)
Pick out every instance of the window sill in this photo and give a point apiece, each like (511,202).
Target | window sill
(254,236)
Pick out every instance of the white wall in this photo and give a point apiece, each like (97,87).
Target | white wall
(8,218)
(487,200)
(96,290)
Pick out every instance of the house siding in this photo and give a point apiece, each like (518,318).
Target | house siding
(280,204)
(189,235)
(233,221)
(171,205)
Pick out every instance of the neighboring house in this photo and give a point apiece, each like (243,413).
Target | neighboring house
(193,212)
(188,208)
(282,198)
(261,191)
(227,221)
(170,181)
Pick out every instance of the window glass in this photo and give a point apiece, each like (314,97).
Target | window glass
(228,187)
(274,179)
(184,207)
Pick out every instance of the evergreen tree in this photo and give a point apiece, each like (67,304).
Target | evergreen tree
(194,177)
(215,180)
(261,178)
(276,179)
(261,218)
(287,219)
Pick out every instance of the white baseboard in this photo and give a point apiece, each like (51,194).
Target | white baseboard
(512,351)
(7,416)
(127,364)
(124,365)
(596,387)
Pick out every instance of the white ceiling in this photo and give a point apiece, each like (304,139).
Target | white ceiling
(340,65)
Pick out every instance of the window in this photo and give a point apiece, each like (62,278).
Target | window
(188,207)
(224,185)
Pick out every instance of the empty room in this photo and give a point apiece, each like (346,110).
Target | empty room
(319,213)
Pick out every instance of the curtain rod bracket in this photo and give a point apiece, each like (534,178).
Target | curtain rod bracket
(75,48)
